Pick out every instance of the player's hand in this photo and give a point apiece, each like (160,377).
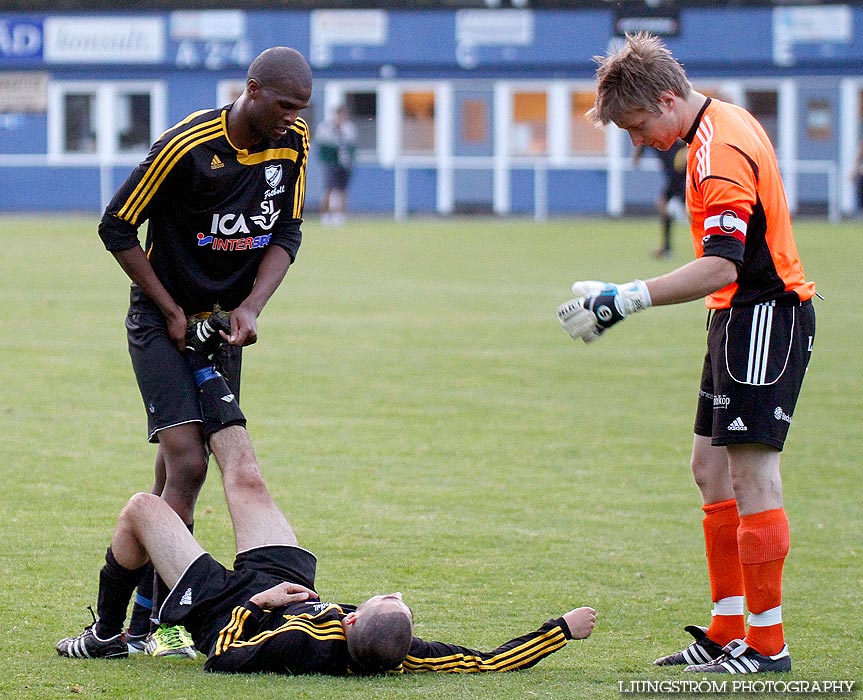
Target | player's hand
(580,622)
(282,594)
(176,326)
(599,305)
(244,328)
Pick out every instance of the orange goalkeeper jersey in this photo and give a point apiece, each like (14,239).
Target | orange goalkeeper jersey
(737,202)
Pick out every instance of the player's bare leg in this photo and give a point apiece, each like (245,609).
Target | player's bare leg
(148,529)
(256,518)
(185,459)
(756,479)
(710,469)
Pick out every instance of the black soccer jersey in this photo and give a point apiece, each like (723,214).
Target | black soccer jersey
(212,208)
(308,638)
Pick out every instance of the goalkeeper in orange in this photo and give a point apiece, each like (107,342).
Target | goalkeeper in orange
(760,337)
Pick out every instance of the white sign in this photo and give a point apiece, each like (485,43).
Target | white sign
(219,25)
(494,27)
(344,28)
(104,40)
(793,25)
(23,92)
(349,27)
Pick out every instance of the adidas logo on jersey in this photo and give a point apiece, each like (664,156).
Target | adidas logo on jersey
(187,597)
(227,398)
(737,424)
(216,163)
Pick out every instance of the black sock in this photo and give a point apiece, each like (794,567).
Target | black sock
(142,609)
(116,584)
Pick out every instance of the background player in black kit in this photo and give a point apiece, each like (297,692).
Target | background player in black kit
(671,200)
(264,615)
(223,192)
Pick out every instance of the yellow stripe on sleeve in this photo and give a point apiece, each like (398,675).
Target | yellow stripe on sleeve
(161,166)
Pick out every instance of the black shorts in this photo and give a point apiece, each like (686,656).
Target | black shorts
(164,379)
(336,177)
(207,592)
(753,370)
(674,189)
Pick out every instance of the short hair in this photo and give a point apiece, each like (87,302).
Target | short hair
(279,66)
(379,640)
(634,77)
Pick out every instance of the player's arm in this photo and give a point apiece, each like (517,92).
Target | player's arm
(280,254)
(600,305)
(118,230)
(271,271)
(519,653)
(695,280)
(136,265)
(258,641)
(282,594)
(238,646)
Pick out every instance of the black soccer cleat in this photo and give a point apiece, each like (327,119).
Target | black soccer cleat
(739,657)
(703,650)
(87,645)
(203,336)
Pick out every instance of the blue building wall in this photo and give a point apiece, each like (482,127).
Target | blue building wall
(714,43)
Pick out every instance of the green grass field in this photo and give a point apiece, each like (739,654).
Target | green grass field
(428,428)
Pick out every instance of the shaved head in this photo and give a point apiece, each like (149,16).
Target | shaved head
(281,67)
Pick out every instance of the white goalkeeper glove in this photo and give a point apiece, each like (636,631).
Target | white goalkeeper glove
(597,306)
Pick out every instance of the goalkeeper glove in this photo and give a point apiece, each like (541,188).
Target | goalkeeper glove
(599,305)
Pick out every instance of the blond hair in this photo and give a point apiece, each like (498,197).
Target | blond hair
(634,77)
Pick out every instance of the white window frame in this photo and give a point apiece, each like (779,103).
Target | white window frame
(107,130)
(335,92)
(515,87)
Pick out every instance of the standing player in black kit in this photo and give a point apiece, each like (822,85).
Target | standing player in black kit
(223,192)
(672,197)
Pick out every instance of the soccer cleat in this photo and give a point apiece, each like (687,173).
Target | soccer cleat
(203,336)
(136,643)
(703,650)
(87,645)
(739,657)
(170,640)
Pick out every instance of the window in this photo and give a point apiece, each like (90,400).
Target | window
(79,126)
(584,137)
(473,120)
(764,106)
(530,120)
(132,112)
(363,110)
(103,119)
(418,122)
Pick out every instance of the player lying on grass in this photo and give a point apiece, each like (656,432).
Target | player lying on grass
(264,615)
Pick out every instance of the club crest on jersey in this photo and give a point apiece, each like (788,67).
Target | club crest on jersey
(273,174)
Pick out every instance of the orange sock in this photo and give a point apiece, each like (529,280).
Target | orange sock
(723,566)
(764,539)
